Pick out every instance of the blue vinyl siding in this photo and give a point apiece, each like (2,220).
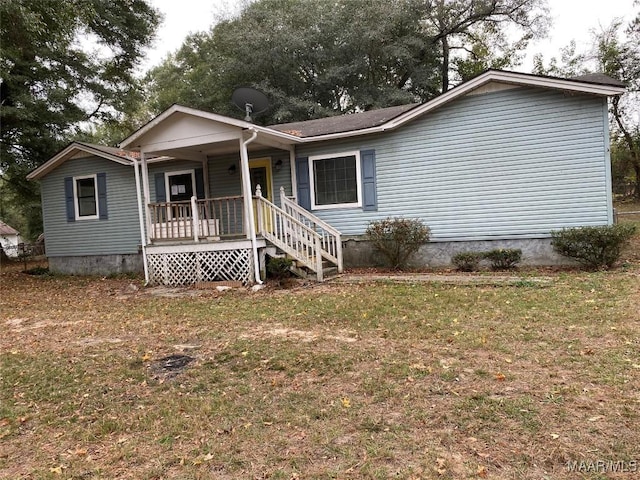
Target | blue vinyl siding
(163,167)
(117,234)
(221,184)
(507,164)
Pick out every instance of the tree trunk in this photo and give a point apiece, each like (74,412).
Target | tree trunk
(445,64)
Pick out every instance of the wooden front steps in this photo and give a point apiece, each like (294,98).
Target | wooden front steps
(299,269)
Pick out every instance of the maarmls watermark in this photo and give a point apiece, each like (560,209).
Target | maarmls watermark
(603,466)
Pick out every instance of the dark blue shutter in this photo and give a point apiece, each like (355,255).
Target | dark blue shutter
(199,183)
(102,196)
(69,200)
(161,194)
(368,167)
(304,187)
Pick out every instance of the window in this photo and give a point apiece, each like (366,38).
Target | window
(335,181)
(85,193)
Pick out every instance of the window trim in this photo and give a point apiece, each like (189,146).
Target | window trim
(76,203)
(191,171)
(312,180)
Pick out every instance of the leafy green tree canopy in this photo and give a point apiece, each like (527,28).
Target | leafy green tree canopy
(316,58)
(63,63)
(313,58)
(473,35)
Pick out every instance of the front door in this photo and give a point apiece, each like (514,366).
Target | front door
(260,173)
(180,187)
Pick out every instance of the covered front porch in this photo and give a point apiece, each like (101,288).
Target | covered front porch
(216,195)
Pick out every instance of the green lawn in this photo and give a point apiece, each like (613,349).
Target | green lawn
(372,380)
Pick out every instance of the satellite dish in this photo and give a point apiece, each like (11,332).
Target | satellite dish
(250,100)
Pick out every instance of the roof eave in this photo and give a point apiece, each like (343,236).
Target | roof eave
(512,78)
(64,155)
(127,142)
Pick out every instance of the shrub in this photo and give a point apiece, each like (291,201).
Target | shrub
(594,247)
(397,238)
(504,258)
(467,261)
(279,268)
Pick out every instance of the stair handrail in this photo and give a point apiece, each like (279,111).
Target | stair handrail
(288,205)
(287,202)
(314,261)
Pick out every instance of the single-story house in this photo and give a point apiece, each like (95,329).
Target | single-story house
(497,162)
(9,240)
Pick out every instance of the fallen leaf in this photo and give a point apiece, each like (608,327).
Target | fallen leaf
(500,377)
(482,471)
(346,403)
(57,470)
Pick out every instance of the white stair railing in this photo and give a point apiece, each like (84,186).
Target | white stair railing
(330,238)
(289,234)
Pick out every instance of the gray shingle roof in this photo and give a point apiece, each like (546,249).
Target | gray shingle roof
(599,78)
(343,123)
(111,150)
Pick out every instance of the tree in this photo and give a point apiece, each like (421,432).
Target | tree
(570,64)
(477,28)
(313,59)
(316,58)
(621,60)
(63,63)
(614,51)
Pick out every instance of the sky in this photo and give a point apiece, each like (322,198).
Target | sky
(572,19)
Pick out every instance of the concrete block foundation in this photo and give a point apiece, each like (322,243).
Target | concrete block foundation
(97,264)
(358,252)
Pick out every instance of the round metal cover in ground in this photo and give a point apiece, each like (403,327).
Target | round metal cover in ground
(169,367)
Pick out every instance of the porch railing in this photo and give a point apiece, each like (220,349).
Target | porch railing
(289,234)
(206,218)
(291,228)
(330,238)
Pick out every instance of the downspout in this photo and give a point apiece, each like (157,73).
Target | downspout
(294,173)
(246,187)
(143,236)
(145,189)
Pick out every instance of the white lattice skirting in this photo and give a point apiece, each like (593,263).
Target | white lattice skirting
(187,268)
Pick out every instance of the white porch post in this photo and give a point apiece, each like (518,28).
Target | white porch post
(143,237)
(205,174)
(147,195)
(248,202)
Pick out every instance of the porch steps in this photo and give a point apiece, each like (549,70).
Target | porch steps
(299,269)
